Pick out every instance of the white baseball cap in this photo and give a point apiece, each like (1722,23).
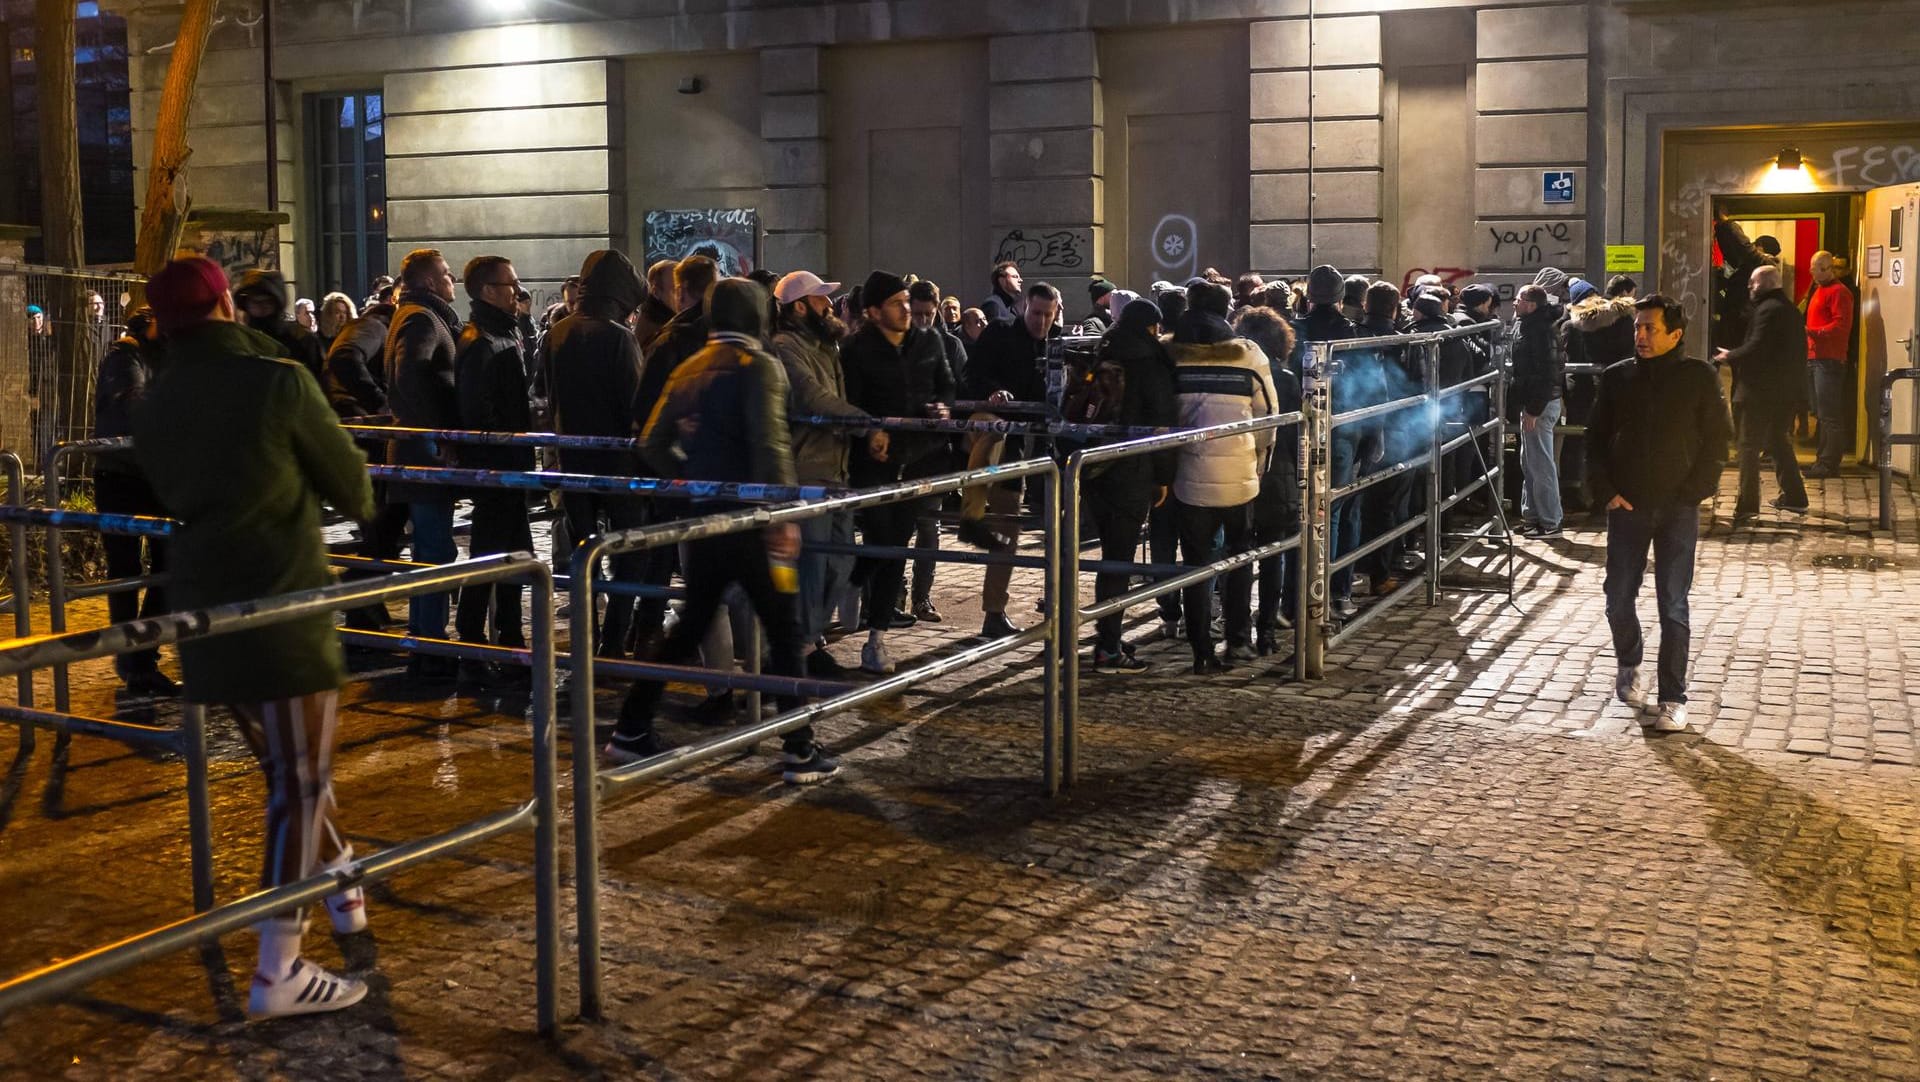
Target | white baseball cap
(798,284)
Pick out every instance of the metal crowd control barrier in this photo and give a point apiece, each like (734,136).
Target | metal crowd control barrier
(16,475)
(1072,616)
(1889,440)
(591,786)
(1315,631)
(538,814)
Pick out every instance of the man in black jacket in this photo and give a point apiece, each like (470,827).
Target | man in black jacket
(592,368)
(923,300)
(355,381)
(420,347)
(126,369)
(1536,386)
(1003,304)
(490,381)
(1657,438)
(261,298)
(1769,377)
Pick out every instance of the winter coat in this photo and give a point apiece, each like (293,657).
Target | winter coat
(887,380)
(1658,433)
(420,348)
(816,387)
(1829,322)
(654,316)
(591,364)
(246,480)
(683,336)
(1147,402)
(490,384)
(1219,378)
(1739,258)
(738,396)
(999,307)
(355,378)
(1537,369)
(1600,331)
(295,342)
(126,371)
(1009,359)
(1770,367)
(1322,323)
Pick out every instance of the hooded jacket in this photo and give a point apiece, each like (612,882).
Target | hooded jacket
(592,366)
(1536,362)
(1219,378)
(1600,331)
(420,348)
(356,371)
(1770,367)
(246,480)
(296,342)
(1147,402)
(816,387)
(1658,433)
(735,392)
(490,383)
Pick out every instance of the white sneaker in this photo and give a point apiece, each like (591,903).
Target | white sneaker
(306,989)
(347,909)
(1627,688)
(1672,719)
(874,659)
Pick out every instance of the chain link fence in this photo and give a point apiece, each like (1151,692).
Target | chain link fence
(55,324)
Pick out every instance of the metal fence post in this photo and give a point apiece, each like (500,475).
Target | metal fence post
(57,617)
(1436,414)
(546,795)
(1067,616)
(586,782)
(1316,396)
(17,578)
(193,748)
(1054,599)
(1886,451)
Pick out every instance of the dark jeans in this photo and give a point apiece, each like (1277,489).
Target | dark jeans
(500,524)
(381,539)
(584,513)
(1343,526)
(1119,518)
(432,544)
(888,524)
(129,494)
(1388,504)
(1199,529)
(1163,544)
(1672,533)
(711,566)
(926,535)
(1830,404)
(1275,522)
(1763,427)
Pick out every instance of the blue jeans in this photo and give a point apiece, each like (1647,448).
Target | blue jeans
(822,575)
(432,544)
(1672,533)
(1830,405)
(1539,475)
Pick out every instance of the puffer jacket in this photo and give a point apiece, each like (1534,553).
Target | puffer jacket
(1600,331)
(1219,378)
(1536,362)
(356,370)
(735,393)
(816,387)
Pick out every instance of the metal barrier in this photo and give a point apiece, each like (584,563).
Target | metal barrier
(538,814)
(591,785)
(1889,440)
(16,476)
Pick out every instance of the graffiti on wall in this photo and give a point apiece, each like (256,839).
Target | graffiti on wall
(730,236)
(1176,247)
(241,250)
(1046,251)
(1548,243)
(1872,166)
(1451,277)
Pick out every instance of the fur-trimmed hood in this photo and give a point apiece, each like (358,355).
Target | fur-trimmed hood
(1596,313)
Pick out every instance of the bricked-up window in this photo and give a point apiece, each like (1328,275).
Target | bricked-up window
(346,135)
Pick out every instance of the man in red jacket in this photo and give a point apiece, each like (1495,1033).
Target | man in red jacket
(1829,327)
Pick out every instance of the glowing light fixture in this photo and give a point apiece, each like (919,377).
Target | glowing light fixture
(1788,158)
(1787,173)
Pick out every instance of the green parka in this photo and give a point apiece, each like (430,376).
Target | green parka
(241,447)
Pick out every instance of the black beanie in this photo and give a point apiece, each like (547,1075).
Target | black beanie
(1139,314)
(1429,302)
(1476,295)
(739,306)
(1098,288)
(880,288)
(1325,285)
(1210,297)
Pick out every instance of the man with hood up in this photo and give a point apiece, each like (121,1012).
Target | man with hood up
(592,368)
(723,417)
(261,298)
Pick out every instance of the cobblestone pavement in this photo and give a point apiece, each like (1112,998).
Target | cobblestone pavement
(1452,859)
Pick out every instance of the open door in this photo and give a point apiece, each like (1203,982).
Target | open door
(1885,274)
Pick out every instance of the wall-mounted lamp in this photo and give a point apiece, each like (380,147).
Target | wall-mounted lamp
(1788,158)
(691,85)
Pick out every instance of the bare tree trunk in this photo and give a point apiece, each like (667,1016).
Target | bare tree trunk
(62,226)
(164,212)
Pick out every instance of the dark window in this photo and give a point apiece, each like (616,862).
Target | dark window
(1893,228)
(346,135)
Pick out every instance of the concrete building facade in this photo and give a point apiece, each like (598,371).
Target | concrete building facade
(1140,139)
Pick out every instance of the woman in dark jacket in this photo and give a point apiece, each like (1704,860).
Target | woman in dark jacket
(241,447)
(1276,510)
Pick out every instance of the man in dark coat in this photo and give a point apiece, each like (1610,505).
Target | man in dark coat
(261,298)
(1769,376)
(355,382)
(490,382)
(1537,388)
(241,447)
(1004,304)
(126,371)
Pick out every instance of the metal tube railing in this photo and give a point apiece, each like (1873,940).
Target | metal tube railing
(1889,440)
(590,784)
(17,580)
(539,814)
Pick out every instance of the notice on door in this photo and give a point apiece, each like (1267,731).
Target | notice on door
(1897,272)
(1626,258)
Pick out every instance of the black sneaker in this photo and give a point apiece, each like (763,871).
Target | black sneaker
(620,751)
(153,684)
(822,666)
(715,709)
(1210,666)
(977,533)
(1119,663)
(1781,505)
(997,626)
(809,768)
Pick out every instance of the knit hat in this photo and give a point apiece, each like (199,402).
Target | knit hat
(1138,314)
(880,288)
(737,306)
(1553,280)
(1429,302)
(1476,295)
(1210,297)
(185,293)
(1325,285)
(1098,288)
(1579,289)
(1767,244)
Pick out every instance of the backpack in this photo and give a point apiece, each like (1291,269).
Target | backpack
(1096,392)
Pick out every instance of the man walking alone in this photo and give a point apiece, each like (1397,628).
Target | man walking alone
(1657,437)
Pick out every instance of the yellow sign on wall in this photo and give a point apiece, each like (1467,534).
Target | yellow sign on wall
(1625,258)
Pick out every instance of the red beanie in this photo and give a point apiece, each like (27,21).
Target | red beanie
(185,293)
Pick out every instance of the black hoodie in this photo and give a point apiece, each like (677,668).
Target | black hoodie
(296,342)
(591,365)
